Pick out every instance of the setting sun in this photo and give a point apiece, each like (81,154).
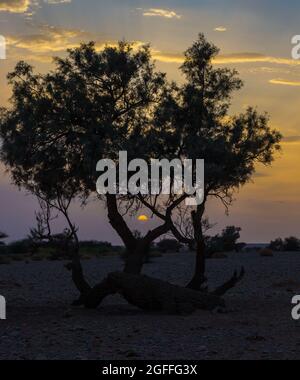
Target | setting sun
(143,218)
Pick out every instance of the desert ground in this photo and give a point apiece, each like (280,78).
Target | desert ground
(257,324)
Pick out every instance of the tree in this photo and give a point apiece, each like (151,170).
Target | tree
(291,244)
(95,104)
(169,245)
(226,242)
(277,245)
(230,237)
(2,237)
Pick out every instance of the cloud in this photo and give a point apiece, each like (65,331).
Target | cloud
(254,58)
(49,39)
(285,82)
(14,6)
(238,58)
(220,29)
(167,57)
(156,12)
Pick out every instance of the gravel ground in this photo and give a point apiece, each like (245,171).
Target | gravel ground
(258,325)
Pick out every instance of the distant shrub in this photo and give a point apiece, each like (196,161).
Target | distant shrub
(95,247)
(266,252)
(19,247)
(213,245)
(292,244)
(277,245)
(169,245)
(229,237)
(226,242)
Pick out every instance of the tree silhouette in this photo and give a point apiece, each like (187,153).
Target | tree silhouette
(230,145)
(2,237)
(94,104)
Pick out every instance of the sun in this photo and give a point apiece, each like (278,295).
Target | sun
(143,218)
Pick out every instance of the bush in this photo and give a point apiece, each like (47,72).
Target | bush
(213,245)
(229,238)
(277,245)
(19,247)
(95,247)
(266,252)
(292,244)
(226,242)
(169,245)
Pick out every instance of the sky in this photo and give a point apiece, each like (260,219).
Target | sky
(254,37)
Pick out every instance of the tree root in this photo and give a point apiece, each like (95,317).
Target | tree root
(152,294)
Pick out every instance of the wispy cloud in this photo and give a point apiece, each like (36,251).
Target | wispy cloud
(238,58)
(52,41)
(49,40)
(254,58)
(14,6)
(157,12)
(220,29)
(285,82)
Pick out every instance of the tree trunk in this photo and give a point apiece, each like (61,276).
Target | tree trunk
(200,266)
(137,250)
(155,295)
(136,259)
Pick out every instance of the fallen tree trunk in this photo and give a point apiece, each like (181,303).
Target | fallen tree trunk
(153,295)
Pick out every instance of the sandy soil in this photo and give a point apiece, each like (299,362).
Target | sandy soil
(258,325)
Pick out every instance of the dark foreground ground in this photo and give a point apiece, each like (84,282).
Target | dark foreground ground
(258,324)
